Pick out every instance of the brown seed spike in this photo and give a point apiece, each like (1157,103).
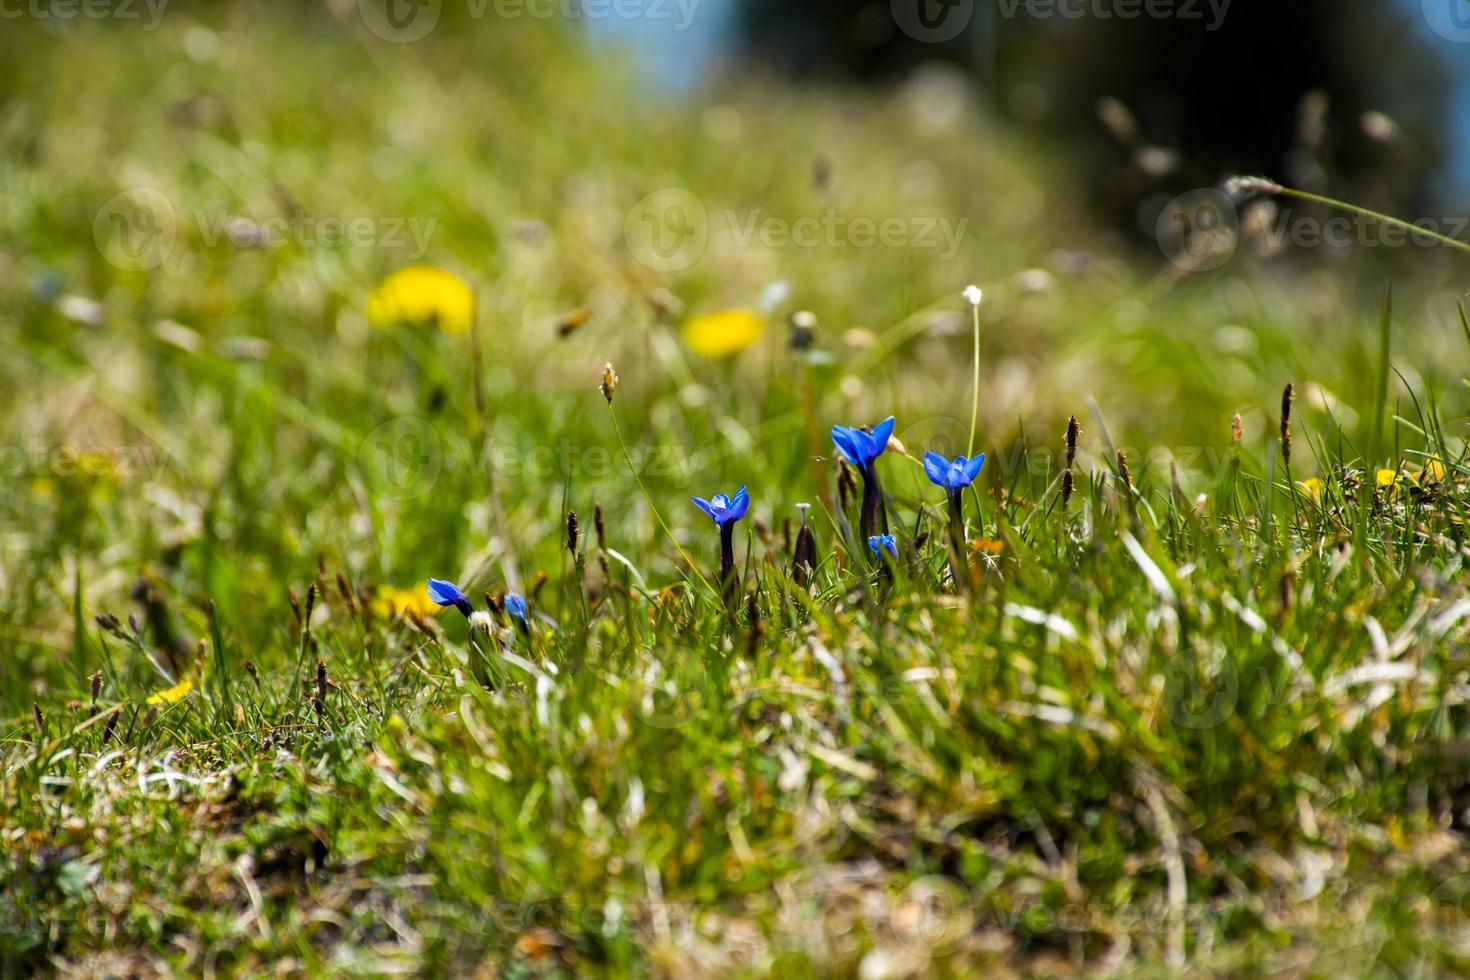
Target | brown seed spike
(599,527)
(1287,397)
(40,719)
(572,530)
(1067,488)
(1124,473)
(321,680)
(1074,432)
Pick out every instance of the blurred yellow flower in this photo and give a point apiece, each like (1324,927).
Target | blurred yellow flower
(1387,478)
(173,695)
(422,294)
(1433,472)
(723,334)
(390,602)
(1312,488)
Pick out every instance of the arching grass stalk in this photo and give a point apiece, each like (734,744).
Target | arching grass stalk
(1265,185)
(609,383)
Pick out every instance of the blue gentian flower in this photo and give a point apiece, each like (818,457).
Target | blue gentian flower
(725,510)
(880,543)
(515,604)
(447,594)
(955,475)
(861,448)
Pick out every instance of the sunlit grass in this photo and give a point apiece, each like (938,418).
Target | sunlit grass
(1214,713)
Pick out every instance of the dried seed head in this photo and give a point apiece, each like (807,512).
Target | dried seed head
(1074,432)
(96,686)
(803,330)
(1067,487)
(40,719)
(321,680)
(1124,472)
(1250,186)
(973,295)
(310,605)
(481,621)
(609,382)
(1287,397)
(1237,429)
(572,532)
(107,622)
(599,527)
(846,483)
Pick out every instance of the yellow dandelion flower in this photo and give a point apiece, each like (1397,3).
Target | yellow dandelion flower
(1311,488)
(1387,478)
(422,294)
(1433,472)
(724,334)
(389,602)
(173,695)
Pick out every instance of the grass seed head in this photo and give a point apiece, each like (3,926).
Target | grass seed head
(599,527)
(572,530)
(1124,472)
(1067,488)
(1074,432)
(1237,430)
(609,382)
(1287,397)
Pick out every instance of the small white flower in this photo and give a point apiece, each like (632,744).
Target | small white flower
(480,621)
(973,295)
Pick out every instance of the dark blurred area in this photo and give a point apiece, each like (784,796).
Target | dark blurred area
(1348,98)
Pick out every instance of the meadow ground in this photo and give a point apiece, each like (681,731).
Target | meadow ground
(1211,717)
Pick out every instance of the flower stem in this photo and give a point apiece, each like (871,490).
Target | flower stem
(729,583)
(958,567)
(873,520)
(975,404)
(1274,188)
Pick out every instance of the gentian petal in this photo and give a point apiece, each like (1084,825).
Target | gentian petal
(445,593)
(739,504)
(879,439)
(851,443)
(515,604)
(937,469)
(973,468)
(707,507)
